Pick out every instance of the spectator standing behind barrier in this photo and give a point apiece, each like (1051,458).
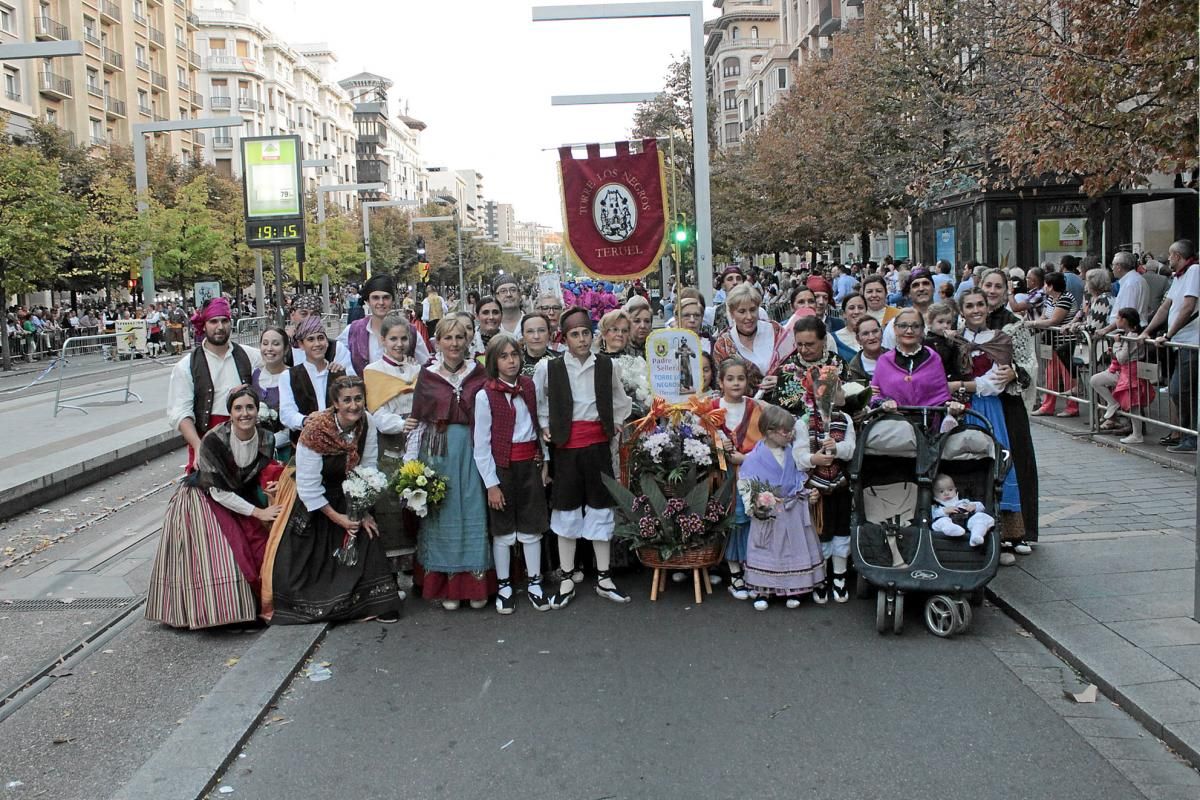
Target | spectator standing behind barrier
(1133,291)
(1178,310)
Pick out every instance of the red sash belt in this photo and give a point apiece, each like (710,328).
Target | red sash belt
(585,434)
(523,451)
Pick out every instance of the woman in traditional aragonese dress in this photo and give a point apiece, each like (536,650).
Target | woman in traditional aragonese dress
(302,579)
(454,557)
(274,348)
(206,572)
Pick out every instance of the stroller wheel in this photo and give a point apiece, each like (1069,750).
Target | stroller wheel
(976,598)
(862,589)
(941,616)
(964,615)
(882,623)
(898,614)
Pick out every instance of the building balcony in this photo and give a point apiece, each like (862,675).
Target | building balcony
(141,64)
(95,90)
(193,58)
(145,111)
(198,138)
(113,60)
(11,95)
(249,104)
(184,86)
(228,63)
(154,3)
(196,99)
(158,80)
(157,38)
(220,102)
(140,20)
(45,28)
(114,108)
(159,117)
(181,3)
(222,142)
(110,11)
(193,21)
(53,85)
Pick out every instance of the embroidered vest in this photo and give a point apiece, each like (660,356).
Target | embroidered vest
(562,403)
(504,418)
(360,344)
(202,384)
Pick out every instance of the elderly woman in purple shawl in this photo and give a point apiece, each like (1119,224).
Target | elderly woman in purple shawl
(783,554)
(912,374)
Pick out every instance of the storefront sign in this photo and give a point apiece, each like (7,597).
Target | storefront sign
(945,245)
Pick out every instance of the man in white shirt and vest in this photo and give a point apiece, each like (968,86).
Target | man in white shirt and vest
(361,343)
(433,308)
(200,385)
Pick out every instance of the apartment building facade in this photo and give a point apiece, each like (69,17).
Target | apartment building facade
(139,65)
(388,150)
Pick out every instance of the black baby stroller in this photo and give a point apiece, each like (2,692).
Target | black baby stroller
(895,549)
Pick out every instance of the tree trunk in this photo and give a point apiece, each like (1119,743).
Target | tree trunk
(5,350)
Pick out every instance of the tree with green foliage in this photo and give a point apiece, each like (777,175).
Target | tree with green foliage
(36,218)
(188,240)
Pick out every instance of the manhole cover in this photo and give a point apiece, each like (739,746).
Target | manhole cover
(50,604)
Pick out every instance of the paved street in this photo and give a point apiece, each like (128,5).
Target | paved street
(649,700)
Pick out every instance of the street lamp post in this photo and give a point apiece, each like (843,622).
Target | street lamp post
(694,11)
(141,180)
(321,192)
(462,295)
(366,221)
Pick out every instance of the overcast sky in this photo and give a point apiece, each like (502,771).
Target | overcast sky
(480,74)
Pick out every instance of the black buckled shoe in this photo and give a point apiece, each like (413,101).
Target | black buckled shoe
(560,598)
(820,593)
(533,590)
(505,605)
(841,588)
(614,594)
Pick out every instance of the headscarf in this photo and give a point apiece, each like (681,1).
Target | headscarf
(306,302)
(308,327)
(818,284)
(378,283)
(916,273)
(581,316)
(213,309)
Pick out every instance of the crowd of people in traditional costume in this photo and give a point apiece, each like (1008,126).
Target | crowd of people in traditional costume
(522,402)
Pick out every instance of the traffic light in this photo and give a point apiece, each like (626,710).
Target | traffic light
(420,248)
(681,234)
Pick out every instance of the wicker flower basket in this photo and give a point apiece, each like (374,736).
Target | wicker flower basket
(708,555)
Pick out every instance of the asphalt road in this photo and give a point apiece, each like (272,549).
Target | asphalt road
(670,700)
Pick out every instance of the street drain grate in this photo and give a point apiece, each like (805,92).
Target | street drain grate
(50,604)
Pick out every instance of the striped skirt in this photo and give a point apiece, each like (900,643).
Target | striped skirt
(196,582)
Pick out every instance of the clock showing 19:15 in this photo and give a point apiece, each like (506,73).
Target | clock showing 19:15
(280,232)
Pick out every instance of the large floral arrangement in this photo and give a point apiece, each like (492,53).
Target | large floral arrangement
(419,486)
(672,525)
(672,447)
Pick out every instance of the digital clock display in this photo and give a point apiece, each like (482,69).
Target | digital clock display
(275,233)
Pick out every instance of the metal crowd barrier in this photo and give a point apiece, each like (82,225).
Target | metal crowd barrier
(1092,355)
(102,341)
(249,330)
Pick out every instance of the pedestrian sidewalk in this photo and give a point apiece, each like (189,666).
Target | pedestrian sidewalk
(1150,448)
(46,456)
(1110,586)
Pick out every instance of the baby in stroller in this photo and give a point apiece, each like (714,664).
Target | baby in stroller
(954,516)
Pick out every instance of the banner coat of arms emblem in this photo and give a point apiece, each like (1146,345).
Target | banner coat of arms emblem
(614,210)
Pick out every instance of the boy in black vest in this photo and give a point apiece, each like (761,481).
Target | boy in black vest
(580,403)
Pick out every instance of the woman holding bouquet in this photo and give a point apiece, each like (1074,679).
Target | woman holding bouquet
(810,353)
(783,554)
(206,572)
(389,383)
(274,348)
(302,580)
(453,554)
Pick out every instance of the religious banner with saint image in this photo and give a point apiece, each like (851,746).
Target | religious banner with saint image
(673,362)
(614,210)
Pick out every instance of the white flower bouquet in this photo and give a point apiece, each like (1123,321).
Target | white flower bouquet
(419,486)
(362,488)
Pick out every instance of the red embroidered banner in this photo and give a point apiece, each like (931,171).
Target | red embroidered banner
(614,210)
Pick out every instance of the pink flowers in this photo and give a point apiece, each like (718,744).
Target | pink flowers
(766,500)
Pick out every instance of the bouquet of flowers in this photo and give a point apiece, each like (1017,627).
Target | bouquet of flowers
(635,379)
(362,488)
(419,486)
(672,525)
(267,415)
(824,383)
(764,500)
